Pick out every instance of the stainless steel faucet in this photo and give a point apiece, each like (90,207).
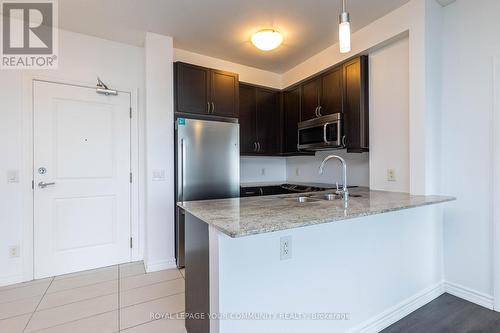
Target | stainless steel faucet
(344,192)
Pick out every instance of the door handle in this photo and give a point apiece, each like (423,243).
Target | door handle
(208,107)
(316,112)
(213,108)
(319,111)
(258,145)
(44,185)
(181,170)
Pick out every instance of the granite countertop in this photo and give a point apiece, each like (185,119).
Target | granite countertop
(239,217)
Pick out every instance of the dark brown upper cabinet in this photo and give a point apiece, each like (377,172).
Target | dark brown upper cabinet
(322,95)
(291,115)
(309,99)
(330,101)
(268,121)
(355,109)
(205,91)
(248,119)
(260,120)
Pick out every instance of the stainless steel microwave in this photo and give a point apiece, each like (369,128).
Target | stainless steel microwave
(321,133)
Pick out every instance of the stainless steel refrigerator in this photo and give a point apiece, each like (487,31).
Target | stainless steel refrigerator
(207,160)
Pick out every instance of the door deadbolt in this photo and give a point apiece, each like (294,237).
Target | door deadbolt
(42,170)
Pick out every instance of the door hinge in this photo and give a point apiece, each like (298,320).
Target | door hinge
(131,243)
(130,112)
(131,178)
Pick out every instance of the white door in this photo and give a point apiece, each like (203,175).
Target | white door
(81,179)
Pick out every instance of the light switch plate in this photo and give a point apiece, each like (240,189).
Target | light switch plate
(12,176)
(159,175)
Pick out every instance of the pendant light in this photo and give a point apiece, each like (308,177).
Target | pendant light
(344,30)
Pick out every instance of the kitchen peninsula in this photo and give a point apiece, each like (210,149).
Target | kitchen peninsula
(284,255)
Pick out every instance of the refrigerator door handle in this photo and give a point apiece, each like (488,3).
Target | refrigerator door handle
(181,169)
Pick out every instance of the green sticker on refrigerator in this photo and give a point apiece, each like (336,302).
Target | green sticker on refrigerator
(181,121)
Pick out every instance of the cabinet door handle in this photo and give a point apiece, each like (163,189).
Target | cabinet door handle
(316,111)
(208,107)
(255,146)
(213,108)
(319,111)
(343,141)
(258,144)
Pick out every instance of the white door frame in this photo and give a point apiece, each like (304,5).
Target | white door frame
(137,167)
(495,188)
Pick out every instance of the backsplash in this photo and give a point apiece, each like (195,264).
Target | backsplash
(305,169)
(262,169)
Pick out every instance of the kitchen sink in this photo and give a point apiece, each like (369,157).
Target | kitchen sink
(320,197)
(328,196)
(304,199)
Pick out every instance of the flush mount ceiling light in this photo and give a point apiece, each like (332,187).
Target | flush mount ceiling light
(344,30)
(267,39)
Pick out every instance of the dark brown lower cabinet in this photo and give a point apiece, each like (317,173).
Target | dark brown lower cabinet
(197,293)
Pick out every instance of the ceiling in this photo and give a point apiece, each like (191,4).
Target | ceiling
(221,28)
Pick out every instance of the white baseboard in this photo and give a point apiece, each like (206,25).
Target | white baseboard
(399,311)
(469,295)
(160,265)
(11,279)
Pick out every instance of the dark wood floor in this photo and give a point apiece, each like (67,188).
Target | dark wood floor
(448,314)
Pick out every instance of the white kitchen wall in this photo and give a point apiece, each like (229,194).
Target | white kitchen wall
(81,59)
(159,228)
(306,169)
(389,117)
(10,159)
(467,145)
(262,169)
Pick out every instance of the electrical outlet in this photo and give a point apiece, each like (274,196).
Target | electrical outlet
(286,248)
(391,175)
(263,171)
(14,251)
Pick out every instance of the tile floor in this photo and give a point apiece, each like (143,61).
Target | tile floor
(120,298)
